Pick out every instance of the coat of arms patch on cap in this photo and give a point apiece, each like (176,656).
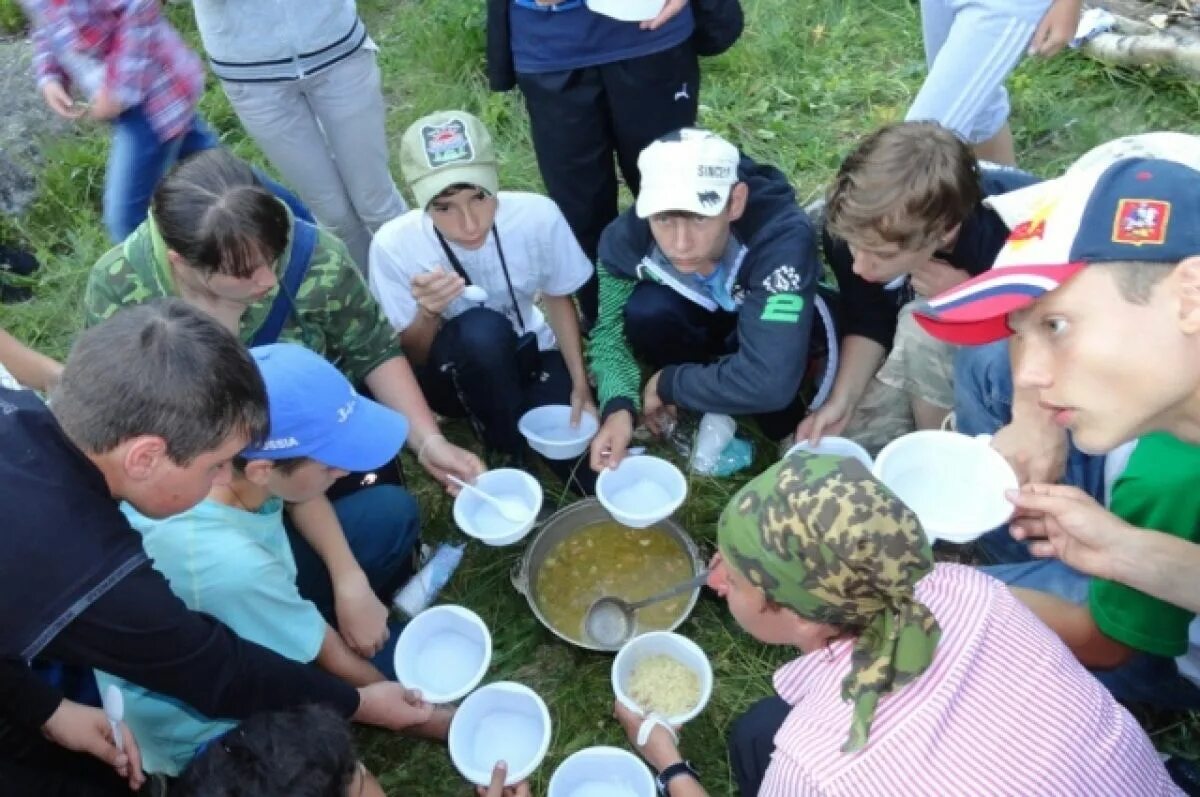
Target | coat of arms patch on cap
(1141,221)
(447,143)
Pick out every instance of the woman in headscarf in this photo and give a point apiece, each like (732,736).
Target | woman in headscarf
(914,678)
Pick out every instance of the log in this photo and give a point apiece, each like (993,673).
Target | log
(1135,43)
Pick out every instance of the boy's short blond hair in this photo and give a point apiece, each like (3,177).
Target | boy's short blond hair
(905,184)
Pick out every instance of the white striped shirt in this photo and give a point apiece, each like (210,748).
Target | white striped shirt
(1004,709)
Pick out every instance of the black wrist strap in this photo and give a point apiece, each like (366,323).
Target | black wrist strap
(670,773)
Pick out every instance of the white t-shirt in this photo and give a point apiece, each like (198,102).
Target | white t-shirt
(539,248)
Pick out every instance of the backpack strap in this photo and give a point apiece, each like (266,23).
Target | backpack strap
(304,241)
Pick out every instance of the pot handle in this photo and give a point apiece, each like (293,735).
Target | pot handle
(519,577)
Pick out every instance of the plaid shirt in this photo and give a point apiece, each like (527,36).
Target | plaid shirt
(144,60)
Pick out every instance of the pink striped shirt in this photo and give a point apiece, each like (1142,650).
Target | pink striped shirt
(1005,709)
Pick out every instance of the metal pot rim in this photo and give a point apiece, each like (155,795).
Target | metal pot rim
(570,520)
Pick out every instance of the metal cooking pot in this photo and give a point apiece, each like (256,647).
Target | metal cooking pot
(570,520)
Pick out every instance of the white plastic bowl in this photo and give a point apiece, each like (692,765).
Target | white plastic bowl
(602,772)
(656,643)
(444,651)
(503,721)
(837,447)
(954,483)
(641,491)
(627,10)
(549,432)
(479,519)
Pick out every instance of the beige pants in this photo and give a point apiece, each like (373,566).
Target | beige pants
(918,367)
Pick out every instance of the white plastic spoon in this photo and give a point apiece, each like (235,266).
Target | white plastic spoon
(114,710)
(510,509)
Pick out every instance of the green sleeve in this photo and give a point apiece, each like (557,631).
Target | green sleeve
(356,335)
(1157,491)
(111,285)
(612,363)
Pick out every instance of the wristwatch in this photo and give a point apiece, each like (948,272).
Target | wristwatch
(670,773)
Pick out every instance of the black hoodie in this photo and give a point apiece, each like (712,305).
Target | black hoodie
(773,283)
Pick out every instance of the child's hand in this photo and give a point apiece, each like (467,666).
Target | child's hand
(104,107)
(1056,29)
(59,101)
(497,787)
(435,290)
(86,730)
(362,618)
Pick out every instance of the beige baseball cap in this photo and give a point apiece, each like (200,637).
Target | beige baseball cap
(446,148)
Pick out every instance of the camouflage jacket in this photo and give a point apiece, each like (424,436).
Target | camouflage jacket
(334,313)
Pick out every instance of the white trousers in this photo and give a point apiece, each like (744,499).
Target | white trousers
(971,46)
(325,135)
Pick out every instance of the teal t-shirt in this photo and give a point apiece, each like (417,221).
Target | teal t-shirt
(1157,490)
(238,567)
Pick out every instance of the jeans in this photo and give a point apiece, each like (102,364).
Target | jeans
(983,396)
(472,372)
(382,528)
(663,328)
(752,741)
(1145,678)
(138,160)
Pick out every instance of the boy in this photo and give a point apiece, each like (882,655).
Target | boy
(1108,272)
(229,556)
(711,280)
(151,406)
(494,359)
(905,217)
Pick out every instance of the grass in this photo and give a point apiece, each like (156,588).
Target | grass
(804,83)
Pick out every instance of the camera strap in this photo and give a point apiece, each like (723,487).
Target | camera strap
(458,268)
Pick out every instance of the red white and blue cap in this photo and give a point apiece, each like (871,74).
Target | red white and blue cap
(316,413)
(1118,203)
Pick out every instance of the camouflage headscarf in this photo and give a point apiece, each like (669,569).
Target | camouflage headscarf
(821,536)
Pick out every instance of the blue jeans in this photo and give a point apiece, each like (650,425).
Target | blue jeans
(983,396)
(382,528)
(138,160)
(1145,678)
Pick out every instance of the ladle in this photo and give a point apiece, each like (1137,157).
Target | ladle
(610,620)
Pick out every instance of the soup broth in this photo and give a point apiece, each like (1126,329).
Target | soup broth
(611,560)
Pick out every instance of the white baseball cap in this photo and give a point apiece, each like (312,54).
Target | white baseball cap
(690,170)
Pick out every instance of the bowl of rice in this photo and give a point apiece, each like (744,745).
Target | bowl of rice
(663,673)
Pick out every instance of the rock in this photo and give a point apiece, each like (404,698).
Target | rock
(25,123)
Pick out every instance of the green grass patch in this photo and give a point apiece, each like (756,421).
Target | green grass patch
(806,81)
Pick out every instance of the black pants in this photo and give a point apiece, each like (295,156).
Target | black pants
(472,372)
(30,765)
(752,741)
(663,328)
(581,118)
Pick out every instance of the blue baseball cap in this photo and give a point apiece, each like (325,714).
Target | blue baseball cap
(1134,209)
(315,412)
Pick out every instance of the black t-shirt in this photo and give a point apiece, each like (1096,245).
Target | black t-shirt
(76,587)
(870,310)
